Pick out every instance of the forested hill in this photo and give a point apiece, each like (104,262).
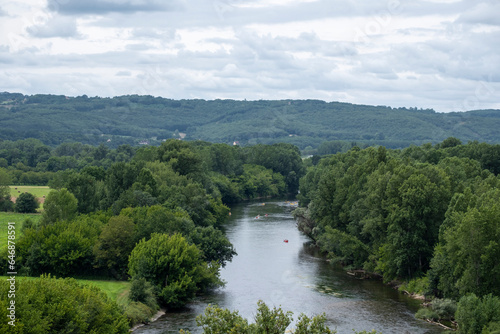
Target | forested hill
(135,119)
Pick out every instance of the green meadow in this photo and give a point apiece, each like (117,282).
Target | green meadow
(38,191)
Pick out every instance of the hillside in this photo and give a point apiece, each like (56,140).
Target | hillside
(134,119)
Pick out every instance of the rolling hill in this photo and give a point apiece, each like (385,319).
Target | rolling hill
(135,120)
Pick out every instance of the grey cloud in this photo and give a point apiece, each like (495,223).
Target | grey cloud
(123,74)
(483,13)
(56,27)
(78,7)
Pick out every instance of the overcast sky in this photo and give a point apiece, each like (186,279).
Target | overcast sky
(441,54)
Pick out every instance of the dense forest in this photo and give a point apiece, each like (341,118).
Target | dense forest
(423,217)
(427,216)
(149,214)
(136,120)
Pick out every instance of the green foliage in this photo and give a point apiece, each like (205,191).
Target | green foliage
(138,313)
(158,219)
(257,181)
(216,320)
(5,202)
(115,243)
(55,119)
(62,248)
(342,247)
(445,308)
(49,305)
(314,325)
(427,313)
(174,267)
(466,261)
(401,213)
(475,314)
(438,309)
(275,321)
(144,292)
(26,203)
(492,328)
(418,286)
(213,244)
(60,205)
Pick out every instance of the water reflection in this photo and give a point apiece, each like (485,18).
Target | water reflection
(294,276)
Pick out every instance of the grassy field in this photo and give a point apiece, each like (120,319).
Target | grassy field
(116,290)
(38,191)
(18,218)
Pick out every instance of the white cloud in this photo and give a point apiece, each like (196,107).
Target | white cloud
(57,26)
(429,54)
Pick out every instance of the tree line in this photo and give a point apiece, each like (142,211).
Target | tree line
(152,216)
(136,119)
(425,215)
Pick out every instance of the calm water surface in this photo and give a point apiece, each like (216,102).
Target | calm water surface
(294,276)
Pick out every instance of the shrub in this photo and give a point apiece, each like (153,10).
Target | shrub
(26,203)
(474,313)
(49,305)
(138,313)
(426,313)
(144,292)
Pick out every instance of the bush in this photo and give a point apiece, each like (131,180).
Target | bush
(138,313)
(417,286)
(216,320)
(49,305)
(144,292)
(6,204)
(474,313)
(445,308)
(426,313)
(26,203)
(174,267)
(492,328)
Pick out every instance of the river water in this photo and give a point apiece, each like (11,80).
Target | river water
(294,276)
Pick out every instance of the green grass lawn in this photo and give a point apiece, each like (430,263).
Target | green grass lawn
(18,218)
(116,290)
(38,191)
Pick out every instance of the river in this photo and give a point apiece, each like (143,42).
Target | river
(294,276)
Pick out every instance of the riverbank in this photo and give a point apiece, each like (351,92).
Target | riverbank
(153,319)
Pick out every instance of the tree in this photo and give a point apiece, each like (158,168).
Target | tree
(475,314)
(5,201)
(451,142)
(214,244)
(471,248)
(174,267)
(276,321)
(181,157)
(83,186)
(59,205)
(413,226)
(114,245)
(26,203)
(61,248)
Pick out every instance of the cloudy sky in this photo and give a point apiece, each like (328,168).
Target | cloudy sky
(441,54)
